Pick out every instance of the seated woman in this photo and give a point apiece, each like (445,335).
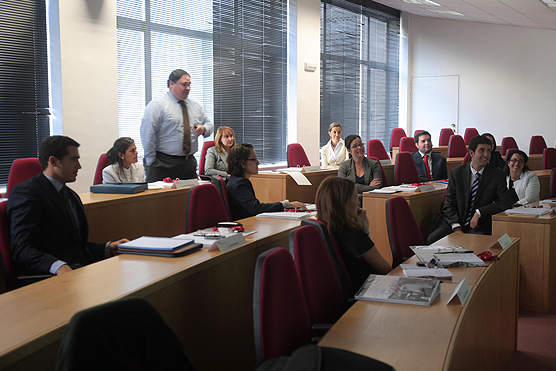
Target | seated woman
(242,163)
(523,184)
(216,160)
(496,159)
(363,171)
(338,206)
(334,152)
(123,167)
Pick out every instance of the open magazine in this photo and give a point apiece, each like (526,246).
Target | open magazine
(395,289)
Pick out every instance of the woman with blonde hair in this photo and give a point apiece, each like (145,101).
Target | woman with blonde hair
(216,160)
(334,152)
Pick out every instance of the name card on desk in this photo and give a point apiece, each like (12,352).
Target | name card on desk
(460,294)
(425,187)
(308,169)
(228,243)
(505,241)
(185,183)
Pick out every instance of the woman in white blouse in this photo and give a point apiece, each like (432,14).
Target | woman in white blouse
(334,152)
(216,159)
(523,184)
(123,167)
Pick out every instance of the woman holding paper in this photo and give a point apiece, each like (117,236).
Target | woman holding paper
(334,152)
(216,159)
(338,206)
(123,167)
(363,171)
(242,164)
(523,184)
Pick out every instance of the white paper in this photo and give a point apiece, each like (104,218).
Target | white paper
(462,291)
(530,210)
(300,179)
(159,185)
(287,215)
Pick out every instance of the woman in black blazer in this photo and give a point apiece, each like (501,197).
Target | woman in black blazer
(363,171)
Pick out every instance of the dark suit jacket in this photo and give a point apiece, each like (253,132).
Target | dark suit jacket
(439,169)
(243,202)
(42,231)
(492,186)
(372,171)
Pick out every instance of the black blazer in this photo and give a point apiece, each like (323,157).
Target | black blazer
(372,171)
(492,187)
(243,202)
(42,231)
(439,169)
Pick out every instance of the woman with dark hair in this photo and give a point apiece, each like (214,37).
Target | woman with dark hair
(363,171)
(334,152)
(242,163)
(123,167)
(216,159)
(496,159)
(523,184)
(338,206)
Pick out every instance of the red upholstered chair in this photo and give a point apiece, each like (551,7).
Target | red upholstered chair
(403,230)
(507,143)
(417,131)
(205,208)
(102,163)
(466,159)
(549,158)
(397,134)
(407,144)
(375,148)
(445,135)
(206,145)
(21,170)
(456,147)
(553,183)
(297,156)
(537,145)
(405,169)
(384,180)
(508,151)
(470,133)
(280,315)
(220,184)
(321,285)
(8,267)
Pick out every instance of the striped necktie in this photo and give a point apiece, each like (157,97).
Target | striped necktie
(474,188)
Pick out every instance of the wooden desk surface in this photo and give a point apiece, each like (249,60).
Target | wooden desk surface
(544,180)
(479,336)
(205,297)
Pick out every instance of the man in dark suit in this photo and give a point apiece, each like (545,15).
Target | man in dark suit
(49,228)
(469,203)
(435,162)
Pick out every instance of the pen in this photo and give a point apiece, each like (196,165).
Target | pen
(456,252)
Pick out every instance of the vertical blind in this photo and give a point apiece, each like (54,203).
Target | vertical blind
(24,99)
(359,69)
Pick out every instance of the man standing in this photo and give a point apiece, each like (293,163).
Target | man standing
(169,131)
(472,190)
(430,165)
(49,228)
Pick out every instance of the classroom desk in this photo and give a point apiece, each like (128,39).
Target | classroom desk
(481,335)
(537,258)
(544,180)
(535,162)
(453,162)
(206,298)
(273,187)
(422,204)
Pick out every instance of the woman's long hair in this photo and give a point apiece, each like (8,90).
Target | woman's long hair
(219,134)
(120,146)
(332,200)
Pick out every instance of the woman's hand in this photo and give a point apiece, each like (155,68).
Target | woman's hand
(361,221)
(375,183)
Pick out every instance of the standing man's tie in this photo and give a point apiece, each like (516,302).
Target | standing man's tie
(186,129)
(426,159)
(472,201)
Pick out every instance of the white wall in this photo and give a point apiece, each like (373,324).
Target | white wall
(507,75)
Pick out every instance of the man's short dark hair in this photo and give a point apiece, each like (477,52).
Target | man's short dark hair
(481,139)
(57,146)
(239,153)
(419,134)
(176,75)
(493,140)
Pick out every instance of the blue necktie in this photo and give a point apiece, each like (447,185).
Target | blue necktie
(474,188)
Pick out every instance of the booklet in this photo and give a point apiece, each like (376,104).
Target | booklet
(425,272)
(458,259)
(426,253)
(154,244)
(404,290)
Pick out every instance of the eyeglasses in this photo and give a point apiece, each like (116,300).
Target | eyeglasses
(514,160)
(253,159)
(356,146)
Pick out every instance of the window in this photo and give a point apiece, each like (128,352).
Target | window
(24,108)
(359,69)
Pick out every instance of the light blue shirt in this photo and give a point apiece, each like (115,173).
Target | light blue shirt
(162,126)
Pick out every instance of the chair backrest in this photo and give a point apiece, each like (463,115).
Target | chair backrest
(384,180)
(220,184)
(297,156)
(205,208)
(206,145)
(102,163)
(335,255)
(126,334)
(403,230)
(407,144)
(470,133)
(320,282)
(417,131)
(507,143)
(508,152)
(375,148)
(280,316)
(466,158)
(9,269)
(549,158)
(537,145)
(445,135)
(21,170)
(397,134)
(553,183)
(405,170)
(456,146)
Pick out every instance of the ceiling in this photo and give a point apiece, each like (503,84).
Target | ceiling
(521,13)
